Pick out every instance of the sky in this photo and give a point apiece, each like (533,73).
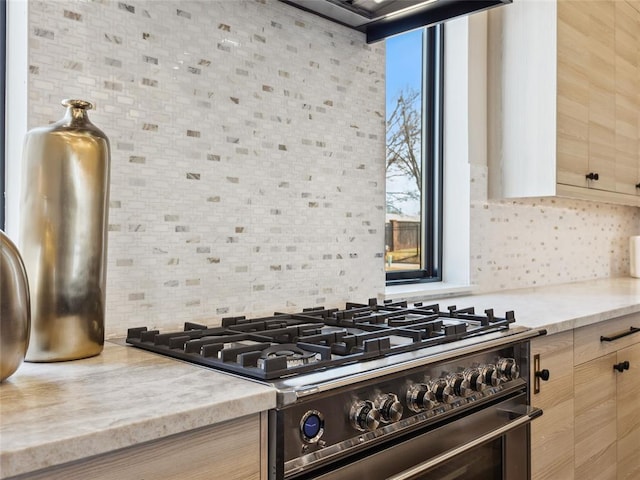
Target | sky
(403,64)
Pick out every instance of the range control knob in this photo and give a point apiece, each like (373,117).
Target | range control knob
(420,398)
(508,369)
(364,416)
(389,407)
(311,426)
(473,376)
(490,375)
(442,391)
(459,384)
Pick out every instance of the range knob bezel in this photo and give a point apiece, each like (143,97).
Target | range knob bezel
(508,369)
(419,398)
(442,391)
(460,385)
(364,416)
(474,377)
(490,375)
(390,407)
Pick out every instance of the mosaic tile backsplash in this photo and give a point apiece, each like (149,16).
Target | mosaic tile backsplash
(247,144)
(247,172)
(542,241)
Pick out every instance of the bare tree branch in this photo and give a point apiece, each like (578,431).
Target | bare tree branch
(404,143)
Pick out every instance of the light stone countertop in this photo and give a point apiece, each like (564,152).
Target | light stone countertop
(52,413)
(557,308)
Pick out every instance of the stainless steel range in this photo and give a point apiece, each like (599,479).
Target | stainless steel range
(374,390)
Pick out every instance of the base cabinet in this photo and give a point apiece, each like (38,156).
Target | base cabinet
(552,433)
(607,401)
(628,425)
(590,429)
(230,451)
(595,419)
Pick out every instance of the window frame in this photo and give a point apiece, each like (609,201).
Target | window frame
(432,163)
(3,94)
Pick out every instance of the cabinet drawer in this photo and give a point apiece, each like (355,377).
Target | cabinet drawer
(587,340)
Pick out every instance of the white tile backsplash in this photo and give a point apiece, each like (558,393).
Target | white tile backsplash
(248,145)
(541,241)
(247,139)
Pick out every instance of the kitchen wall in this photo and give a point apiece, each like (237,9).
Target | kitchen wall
(541,241)
(247,163)
(246,138)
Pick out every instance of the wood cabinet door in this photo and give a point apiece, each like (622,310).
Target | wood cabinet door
(602,93)
(628,404)
(627,79)
(572,93)
(587,94)
(595,419)
(552,433)
(598,81)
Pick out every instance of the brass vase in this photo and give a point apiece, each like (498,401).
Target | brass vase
(63,235)
(14,308)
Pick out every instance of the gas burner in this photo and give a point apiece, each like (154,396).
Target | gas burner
(289,353)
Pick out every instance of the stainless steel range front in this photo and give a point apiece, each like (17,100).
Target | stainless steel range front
(379,391)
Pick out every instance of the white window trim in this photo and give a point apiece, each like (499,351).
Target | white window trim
(16,108)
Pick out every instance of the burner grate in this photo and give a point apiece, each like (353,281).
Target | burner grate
(289,344)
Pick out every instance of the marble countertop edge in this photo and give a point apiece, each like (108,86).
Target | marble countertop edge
(586,320)
(582,321)
(29,458)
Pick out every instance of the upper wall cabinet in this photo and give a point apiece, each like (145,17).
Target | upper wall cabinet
(564,100)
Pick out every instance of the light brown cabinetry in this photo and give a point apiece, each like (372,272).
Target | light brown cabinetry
(628,393)
(598,95)
(595,419)
(230,450)
(564,100)
(607,406)
(552,433)
(590,428)
(627,100)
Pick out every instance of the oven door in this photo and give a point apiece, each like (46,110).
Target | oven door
(491,444)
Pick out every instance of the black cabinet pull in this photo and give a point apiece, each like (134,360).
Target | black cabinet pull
(631,331)
(592,176)
(622,366)
(543,375)
(637,185)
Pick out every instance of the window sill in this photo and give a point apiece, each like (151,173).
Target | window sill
(425,291)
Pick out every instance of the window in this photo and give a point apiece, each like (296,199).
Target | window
(413,226)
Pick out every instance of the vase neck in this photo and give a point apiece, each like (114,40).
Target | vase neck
(76,111)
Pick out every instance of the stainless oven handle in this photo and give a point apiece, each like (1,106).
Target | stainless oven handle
(448,455)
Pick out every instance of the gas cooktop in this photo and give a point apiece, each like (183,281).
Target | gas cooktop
(317,339)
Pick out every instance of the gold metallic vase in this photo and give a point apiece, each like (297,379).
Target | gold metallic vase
(14,308)
(63,235)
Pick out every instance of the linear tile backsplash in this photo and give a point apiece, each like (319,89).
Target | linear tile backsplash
(247,146)
(247,175)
